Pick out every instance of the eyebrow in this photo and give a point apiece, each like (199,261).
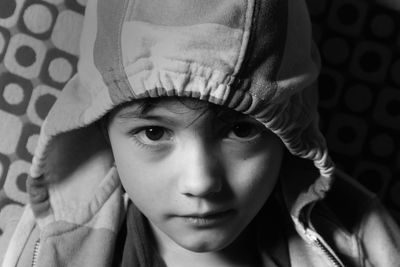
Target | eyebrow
(139,111)
(142,110)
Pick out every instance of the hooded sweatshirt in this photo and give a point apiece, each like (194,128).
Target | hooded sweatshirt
(254,56)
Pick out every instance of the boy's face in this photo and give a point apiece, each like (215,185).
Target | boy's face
(198,175)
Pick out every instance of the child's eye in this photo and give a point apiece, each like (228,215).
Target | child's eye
(245,131)
(152,135)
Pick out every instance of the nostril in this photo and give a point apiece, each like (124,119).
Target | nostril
(200,181)
(202,171)
(200,186)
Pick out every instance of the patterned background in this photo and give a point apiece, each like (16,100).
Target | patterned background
(359,99)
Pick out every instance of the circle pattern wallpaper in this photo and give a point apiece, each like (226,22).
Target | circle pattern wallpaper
(359,42)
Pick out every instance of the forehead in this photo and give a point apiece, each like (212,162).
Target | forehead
(176,107)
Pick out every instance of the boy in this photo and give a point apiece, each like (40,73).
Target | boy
(205,112)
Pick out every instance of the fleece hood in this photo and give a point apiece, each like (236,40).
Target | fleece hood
(254,56)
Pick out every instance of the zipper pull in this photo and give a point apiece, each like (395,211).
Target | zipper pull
(315,240)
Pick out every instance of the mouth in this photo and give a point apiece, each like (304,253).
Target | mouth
(208,219)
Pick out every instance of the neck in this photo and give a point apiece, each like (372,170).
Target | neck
(241,252)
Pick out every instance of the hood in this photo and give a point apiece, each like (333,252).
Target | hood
(254,56)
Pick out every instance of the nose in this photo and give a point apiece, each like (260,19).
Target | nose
(202,173)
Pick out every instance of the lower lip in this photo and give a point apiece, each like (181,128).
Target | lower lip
(209,221)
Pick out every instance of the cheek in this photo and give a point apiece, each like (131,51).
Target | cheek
(138,177)
(254,178)
(149,184)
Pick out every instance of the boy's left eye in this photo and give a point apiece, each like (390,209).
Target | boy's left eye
(245,131)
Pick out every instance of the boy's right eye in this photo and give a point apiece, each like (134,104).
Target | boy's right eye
(152,135)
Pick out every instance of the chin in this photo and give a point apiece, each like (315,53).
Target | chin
(203,245)
(202,248)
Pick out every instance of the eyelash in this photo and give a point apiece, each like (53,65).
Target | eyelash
(255,131)
(135,136)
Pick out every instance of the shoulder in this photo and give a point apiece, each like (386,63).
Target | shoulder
(348,201)
(356,223)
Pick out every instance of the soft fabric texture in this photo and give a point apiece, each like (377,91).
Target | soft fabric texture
(256,57)
(140,251)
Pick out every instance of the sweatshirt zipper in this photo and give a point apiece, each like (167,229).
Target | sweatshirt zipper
(316,241)
(35,253)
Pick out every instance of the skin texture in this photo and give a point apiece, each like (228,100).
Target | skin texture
(198,172)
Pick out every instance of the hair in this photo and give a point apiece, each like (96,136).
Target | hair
(143,105)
